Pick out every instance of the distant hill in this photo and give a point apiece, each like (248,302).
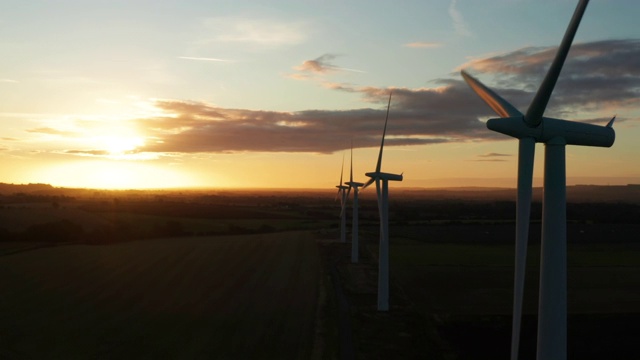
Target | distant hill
(24,188)
(576,193)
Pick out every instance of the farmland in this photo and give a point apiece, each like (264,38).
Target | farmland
(260,274)
(226,297)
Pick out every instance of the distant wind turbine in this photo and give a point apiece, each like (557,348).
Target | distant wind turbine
(383,207)
(530,128)
(343,200)
(354,222)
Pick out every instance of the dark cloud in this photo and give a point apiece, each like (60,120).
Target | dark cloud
(422,116)
(492,157)
(596,75)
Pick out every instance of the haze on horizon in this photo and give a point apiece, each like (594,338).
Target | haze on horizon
(119,94)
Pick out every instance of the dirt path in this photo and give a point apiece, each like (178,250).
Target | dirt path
(365,333)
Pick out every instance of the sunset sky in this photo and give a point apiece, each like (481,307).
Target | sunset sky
(193,93)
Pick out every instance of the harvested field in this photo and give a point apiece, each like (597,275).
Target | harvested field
(221,297)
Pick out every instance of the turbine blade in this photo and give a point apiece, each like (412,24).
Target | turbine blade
(341,169)
(379,165)
(369,182)
(501,106)
(351,172)
(540,101)
(338,194)
(610,123)
(526,153)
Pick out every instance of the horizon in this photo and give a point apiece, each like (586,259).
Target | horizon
(323,189)
(254,96)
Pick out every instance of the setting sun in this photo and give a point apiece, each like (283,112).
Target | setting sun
(236,96)
(118,145)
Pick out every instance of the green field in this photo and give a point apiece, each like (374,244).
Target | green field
(207,297)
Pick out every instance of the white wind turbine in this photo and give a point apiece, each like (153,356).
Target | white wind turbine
(343,200)
(354,222)
(530,128)
(383,207)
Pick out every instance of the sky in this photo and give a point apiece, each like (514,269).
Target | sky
(254,94)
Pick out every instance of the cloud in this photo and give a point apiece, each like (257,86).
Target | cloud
(597,75)
(8,81)
(492,154)
(418,116)
(449,111)
(203,59)
(491,157)
(88,152)
(51,131)
(9,139)
(261,32)
(320,65)
(458,21)
(423,45)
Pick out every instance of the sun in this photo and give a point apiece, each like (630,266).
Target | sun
(118,144)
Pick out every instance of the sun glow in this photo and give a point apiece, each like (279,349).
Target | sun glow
(117,145)
(115,174)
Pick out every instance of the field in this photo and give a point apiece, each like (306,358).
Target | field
(262,275)
(457,297)
(226,297)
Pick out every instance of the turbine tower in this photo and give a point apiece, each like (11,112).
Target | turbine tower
(343,200)
(354,223)
(530,128)
(383,208)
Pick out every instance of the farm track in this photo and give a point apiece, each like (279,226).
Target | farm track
(223,297)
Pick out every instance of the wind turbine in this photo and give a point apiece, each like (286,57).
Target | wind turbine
(354,223)
(383,207)
(530,128)
(341,193)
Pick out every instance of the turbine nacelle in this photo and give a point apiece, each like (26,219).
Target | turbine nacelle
(354,184)
(342,187)
(378,175)
(573,133)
